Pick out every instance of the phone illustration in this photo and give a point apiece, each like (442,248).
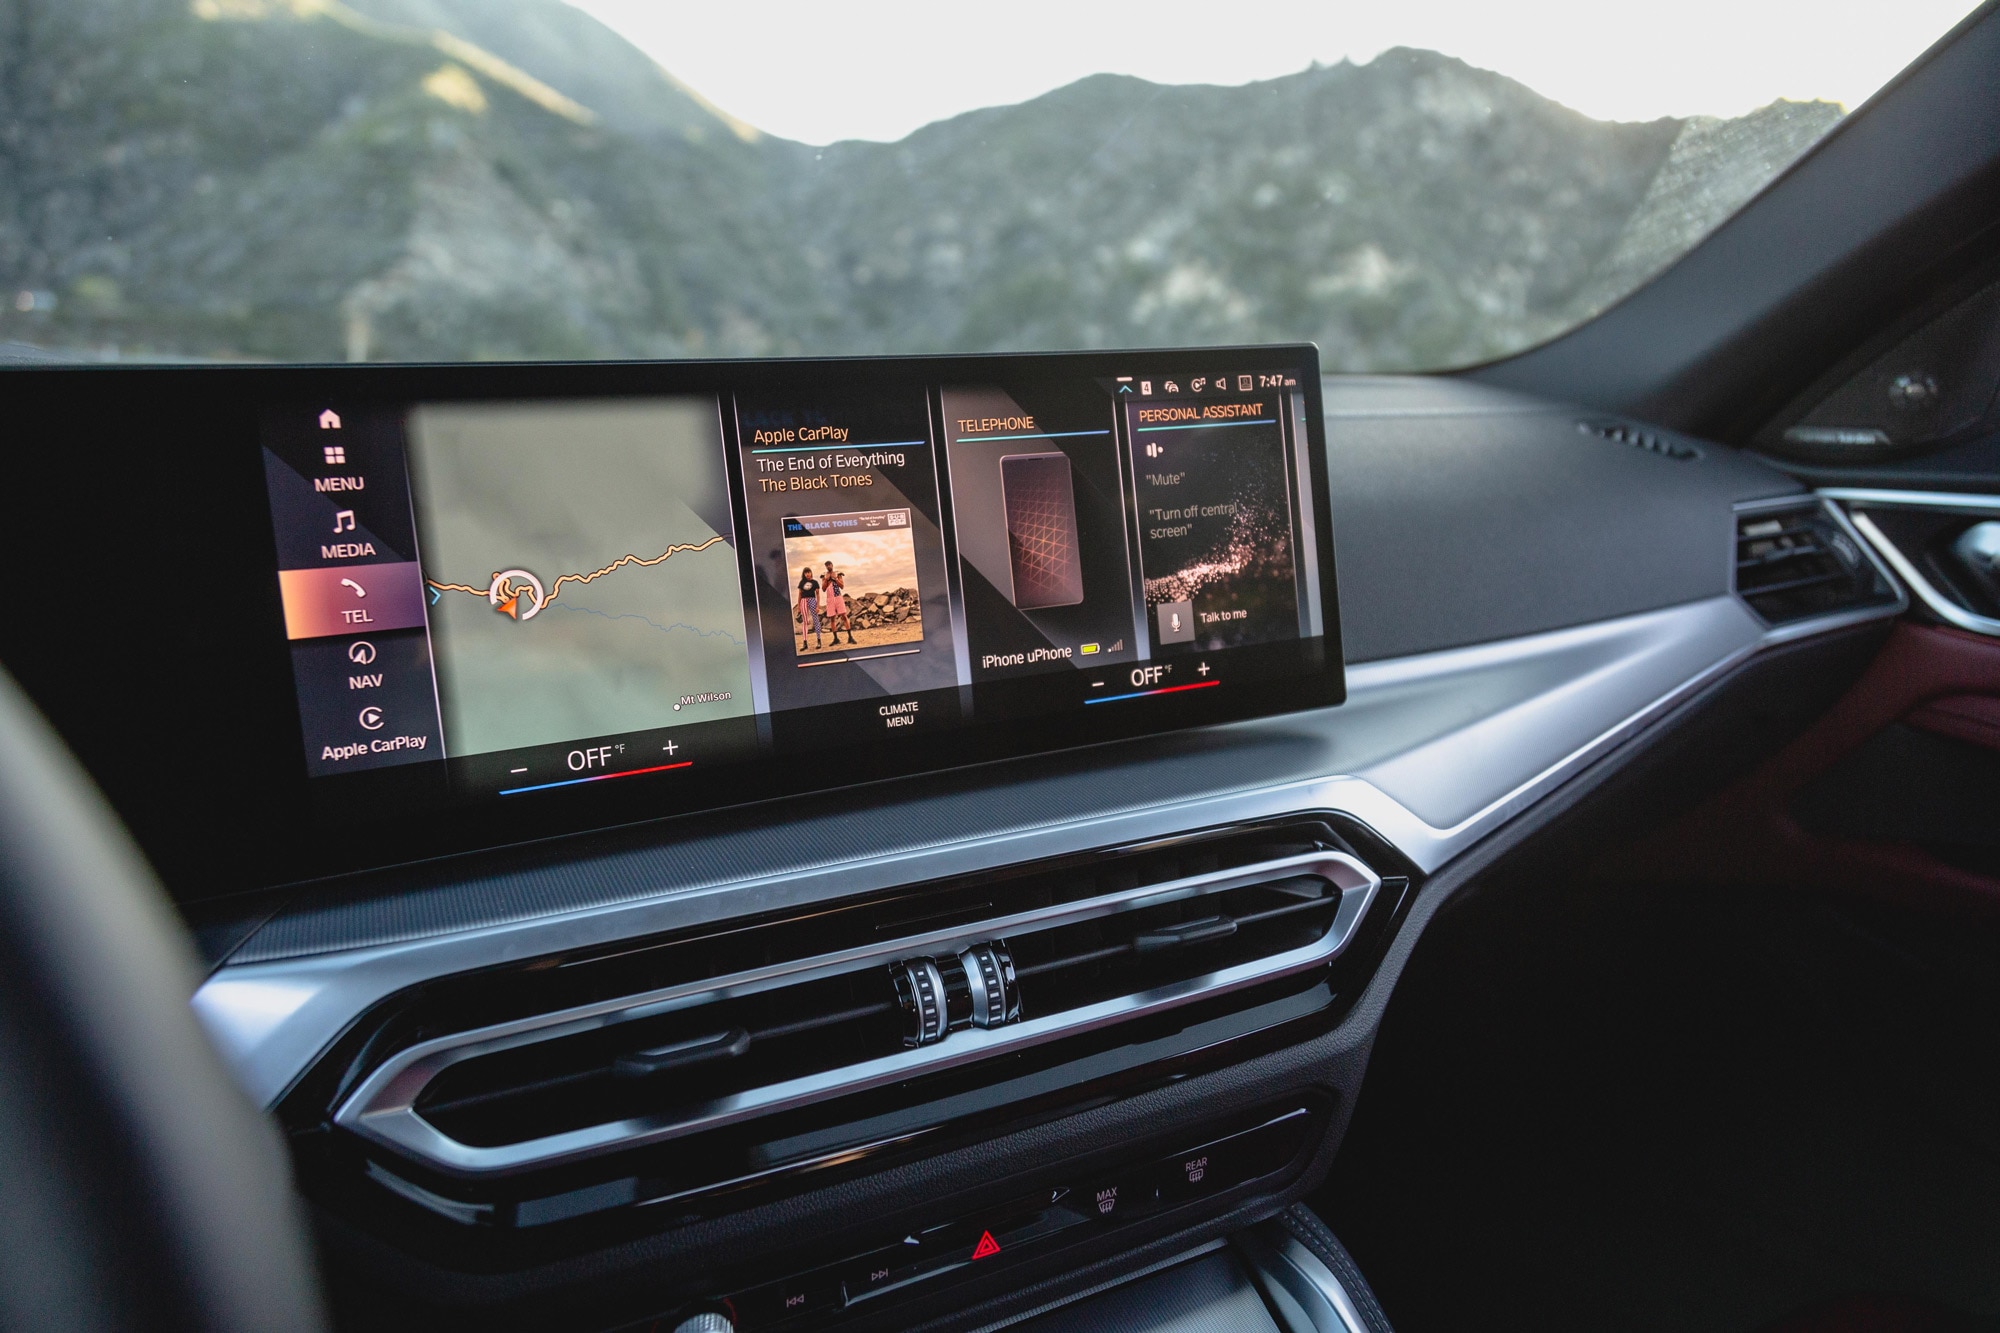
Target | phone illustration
(1040,499)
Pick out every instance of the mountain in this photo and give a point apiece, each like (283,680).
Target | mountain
(448,179)
(573,52)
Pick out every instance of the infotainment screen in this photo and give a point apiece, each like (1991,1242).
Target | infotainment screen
(720,581)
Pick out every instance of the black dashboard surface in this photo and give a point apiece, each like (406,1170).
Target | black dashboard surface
(1464,514)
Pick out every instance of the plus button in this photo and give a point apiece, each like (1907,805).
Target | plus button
(1201,670)
(670,747)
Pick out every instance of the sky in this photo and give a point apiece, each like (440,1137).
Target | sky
(878,69)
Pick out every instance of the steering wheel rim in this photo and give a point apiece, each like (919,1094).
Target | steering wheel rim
(139,1188)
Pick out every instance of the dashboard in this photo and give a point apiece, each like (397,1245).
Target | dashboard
(851,842)
(943,843)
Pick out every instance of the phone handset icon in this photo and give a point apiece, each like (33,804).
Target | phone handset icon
(359,591)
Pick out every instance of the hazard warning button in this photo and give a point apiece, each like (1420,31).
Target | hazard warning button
(987,1246)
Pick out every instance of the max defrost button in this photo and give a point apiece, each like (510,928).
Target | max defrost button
(1115,1198)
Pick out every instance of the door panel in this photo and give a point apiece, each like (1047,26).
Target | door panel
(1894,793)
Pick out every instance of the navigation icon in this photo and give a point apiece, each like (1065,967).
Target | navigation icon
(516,594)
(361,652)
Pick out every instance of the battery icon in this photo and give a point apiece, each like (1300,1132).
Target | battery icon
(1087,649)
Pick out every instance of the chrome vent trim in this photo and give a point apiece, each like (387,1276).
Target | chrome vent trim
(383,1108)
(1940,603)
(1828,552)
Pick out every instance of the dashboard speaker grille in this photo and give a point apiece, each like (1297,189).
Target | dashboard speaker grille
(1652,441)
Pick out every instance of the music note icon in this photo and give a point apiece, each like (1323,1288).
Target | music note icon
(343,520)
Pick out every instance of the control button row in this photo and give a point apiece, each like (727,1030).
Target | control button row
(927,1254)
(1118,1196)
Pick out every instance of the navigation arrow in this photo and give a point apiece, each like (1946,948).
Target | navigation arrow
(511,606)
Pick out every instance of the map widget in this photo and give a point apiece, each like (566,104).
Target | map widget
(579,568)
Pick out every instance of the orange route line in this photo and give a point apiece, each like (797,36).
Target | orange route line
(555,590)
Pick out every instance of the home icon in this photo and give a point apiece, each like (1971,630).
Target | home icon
(329,420)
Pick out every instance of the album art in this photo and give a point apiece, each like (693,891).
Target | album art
(854,582)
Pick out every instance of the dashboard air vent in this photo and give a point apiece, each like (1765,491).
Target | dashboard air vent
(568,1086)
(1795,560)
(1653,442)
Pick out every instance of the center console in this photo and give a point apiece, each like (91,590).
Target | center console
(858,844)
(527,1118)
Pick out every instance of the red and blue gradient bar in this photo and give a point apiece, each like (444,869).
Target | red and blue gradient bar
(596,777)
(1164,689)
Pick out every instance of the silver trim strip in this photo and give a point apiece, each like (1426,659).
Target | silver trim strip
(1912,499)
(1927,592)
(1298,1281)
(1433,752)
(383,1108)
(1123,1279)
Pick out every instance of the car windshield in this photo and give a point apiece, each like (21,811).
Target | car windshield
(1411,186)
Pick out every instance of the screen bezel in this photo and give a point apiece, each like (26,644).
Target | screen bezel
(296,840)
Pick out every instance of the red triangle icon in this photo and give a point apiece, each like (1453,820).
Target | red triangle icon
(986,1247)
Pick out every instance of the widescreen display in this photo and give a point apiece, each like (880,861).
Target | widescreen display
(822,570)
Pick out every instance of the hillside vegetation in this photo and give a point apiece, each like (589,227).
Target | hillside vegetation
(452,179)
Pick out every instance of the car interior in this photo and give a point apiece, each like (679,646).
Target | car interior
(1513,845)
